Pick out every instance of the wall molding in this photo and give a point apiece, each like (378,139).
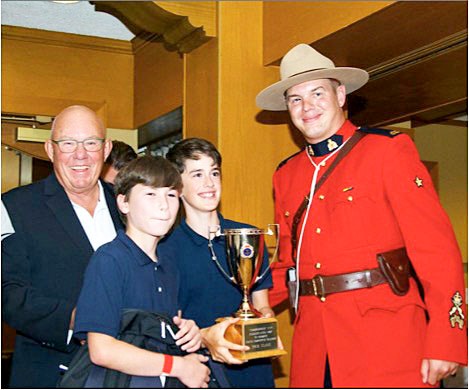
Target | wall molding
(66,40)
(424,53)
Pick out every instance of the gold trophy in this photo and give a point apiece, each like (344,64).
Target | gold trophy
(245,254)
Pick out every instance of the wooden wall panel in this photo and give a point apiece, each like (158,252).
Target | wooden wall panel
(287,23)
(250,150)
(447,145)
(42,76)
(200,13)
(158,82)
(252,142)
(200,115)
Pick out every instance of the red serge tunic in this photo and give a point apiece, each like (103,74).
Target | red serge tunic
(379,198)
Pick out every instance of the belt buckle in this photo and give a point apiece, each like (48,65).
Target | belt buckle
(318,287)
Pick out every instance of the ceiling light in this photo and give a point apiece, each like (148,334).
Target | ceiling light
(65,1)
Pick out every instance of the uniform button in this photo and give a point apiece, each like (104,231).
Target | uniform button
(287,213)
(321,197)
(323,164)
(323,299)
(156,267)
(350,198)
(317,265)
(159,289)
(318,230)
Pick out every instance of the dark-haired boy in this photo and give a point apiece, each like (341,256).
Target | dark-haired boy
(120,155)
(127,274)
(205,293)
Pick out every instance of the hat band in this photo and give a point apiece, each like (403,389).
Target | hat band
(306,71)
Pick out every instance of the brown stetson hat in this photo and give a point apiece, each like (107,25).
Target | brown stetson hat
(303,63)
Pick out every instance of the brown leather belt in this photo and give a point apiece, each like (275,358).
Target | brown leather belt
(321,286)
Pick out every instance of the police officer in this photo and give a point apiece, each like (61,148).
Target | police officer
(368,322)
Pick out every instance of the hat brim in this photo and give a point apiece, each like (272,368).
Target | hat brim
(272,98)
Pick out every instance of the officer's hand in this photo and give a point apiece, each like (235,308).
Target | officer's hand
(191,370)
(267,312)
(188,336)
(433,370)
(213,338)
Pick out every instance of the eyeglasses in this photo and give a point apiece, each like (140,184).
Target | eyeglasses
(70,145)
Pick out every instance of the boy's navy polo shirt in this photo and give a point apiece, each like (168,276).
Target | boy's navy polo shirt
(121,276)
(205,294)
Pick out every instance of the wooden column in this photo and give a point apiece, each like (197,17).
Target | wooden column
(221,81)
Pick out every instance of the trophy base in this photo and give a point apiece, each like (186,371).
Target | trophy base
(259,334)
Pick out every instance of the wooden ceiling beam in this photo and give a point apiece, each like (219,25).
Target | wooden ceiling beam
(148,19)
(416,54)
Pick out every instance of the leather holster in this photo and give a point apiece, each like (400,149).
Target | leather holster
(395,266)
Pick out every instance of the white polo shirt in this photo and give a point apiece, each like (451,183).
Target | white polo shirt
(99,228)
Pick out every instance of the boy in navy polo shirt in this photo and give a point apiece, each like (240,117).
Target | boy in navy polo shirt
(127,274)
(205,294)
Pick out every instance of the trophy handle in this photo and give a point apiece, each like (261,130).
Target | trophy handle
(276,231)
(215,231)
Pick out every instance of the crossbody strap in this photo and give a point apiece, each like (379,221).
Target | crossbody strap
(357,136)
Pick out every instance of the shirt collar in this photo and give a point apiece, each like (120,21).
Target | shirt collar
(102,199)
(333,142)
(137,253)
(196,237)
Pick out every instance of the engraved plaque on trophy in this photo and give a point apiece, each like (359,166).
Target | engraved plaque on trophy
(245,254)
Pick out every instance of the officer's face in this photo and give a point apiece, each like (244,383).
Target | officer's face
(202,184)
(316,108)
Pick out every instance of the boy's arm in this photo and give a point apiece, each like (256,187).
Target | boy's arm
(260,300)
(106,351)
(213,338)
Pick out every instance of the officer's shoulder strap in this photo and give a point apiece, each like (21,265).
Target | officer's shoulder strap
(378,131)
(287,159)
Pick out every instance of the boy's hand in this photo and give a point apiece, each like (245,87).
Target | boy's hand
(191,370)
(213,338)
(188,336)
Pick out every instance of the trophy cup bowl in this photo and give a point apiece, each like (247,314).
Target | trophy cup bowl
(245,254)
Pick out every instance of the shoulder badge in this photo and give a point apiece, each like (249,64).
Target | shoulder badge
(378,131)
(456,316)
(286,160)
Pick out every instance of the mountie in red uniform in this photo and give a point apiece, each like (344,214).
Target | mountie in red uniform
(379,198)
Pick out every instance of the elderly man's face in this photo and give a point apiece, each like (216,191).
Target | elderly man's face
(316,108)
(77,171)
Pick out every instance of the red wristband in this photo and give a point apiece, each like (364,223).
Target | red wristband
(168,364)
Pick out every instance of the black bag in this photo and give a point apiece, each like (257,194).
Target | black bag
(146,330)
